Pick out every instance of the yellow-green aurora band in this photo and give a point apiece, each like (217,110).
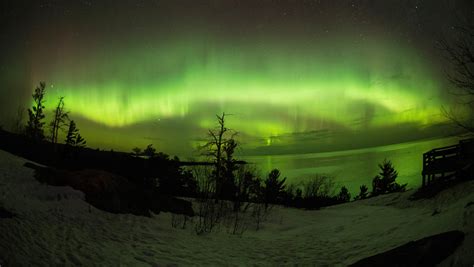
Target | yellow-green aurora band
(272,87)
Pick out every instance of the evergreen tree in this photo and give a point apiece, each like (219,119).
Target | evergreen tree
(384,182)
(71,134)
(273,187)
(344,195)
(34,128)
(73,138)
(80,141)
(363,192)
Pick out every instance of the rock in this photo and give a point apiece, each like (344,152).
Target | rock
(427,251)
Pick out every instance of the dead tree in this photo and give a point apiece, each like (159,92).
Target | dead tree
(59,120)
(460,53)
(215,149)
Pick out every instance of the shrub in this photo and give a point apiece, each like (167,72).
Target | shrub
(319,185)
(316,192)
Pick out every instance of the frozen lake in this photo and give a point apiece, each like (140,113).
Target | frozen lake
(353,168)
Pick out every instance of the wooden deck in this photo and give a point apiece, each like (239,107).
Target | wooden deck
(447,162)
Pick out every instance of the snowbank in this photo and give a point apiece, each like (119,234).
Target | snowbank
(54,225)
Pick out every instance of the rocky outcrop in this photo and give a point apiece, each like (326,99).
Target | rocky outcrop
(427,251)
(111,192)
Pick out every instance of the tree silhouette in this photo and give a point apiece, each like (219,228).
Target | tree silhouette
(219,141)
(384,182)
(80,141)
(363,192)
(149,151)
(273,187)
(344,195)
(34,128)
(59,120)
(73,138)
(460,53)
(229,166)
(136,151)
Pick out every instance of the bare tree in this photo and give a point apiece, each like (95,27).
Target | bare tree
(219,142)
(207,215)
(460,53)
(319,185)
(59,120)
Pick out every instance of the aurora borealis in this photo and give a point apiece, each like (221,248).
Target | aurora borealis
(297,76)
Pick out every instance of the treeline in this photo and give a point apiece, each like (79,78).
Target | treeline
(57,142)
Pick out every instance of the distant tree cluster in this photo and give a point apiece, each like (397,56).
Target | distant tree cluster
(165,173)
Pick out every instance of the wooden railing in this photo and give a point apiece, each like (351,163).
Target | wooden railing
(446,162)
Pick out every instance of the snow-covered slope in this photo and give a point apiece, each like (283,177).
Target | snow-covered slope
(54,225)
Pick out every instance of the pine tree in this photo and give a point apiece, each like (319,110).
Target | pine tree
(363,192)
(384,182)
(71,134)
(34,128)
(73,138)
(274,187)
(344,195)
(80,141)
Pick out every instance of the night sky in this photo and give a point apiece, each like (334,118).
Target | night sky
(297,76)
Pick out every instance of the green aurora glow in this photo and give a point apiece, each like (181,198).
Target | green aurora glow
(297,76)
(271,89)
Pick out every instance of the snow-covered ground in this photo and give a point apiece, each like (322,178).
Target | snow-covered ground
(55,226)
